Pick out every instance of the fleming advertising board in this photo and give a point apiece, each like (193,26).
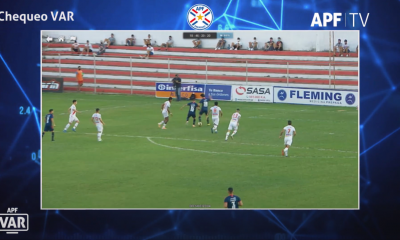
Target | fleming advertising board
(310,96)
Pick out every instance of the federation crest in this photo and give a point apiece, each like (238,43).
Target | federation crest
(200,17)
(350,99)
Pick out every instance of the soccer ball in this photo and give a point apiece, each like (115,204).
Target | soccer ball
(200,124)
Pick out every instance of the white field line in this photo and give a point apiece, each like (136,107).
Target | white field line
(241,154)
(211,141)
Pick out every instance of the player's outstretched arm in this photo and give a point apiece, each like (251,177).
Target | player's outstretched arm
(225,205)
(162,106)
(240,203)
(183,106)
(294,133)
(102,122)
(52,122)
(93,121)
(280,135)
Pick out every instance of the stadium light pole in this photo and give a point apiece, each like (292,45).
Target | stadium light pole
(169,71)
(287,74)
(59,65)
(246,74)
(130,60)
(94,68)
(206,72)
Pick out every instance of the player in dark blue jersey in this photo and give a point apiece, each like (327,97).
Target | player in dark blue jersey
(192,111)
(232,201)
(49,124)
(204,108)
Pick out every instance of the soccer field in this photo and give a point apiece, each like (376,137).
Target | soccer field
(138,165)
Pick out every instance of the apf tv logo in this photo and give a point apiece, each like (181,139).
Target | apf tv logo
(336,17)
(200,17)
(13,222)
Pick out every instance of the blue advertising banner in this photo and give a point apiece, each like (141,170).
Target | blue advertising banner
(219,92)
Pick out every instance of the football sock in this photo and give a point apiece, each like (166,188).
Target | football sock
(194,121)
(208,120)
(234,132)
(286,150)
(187,119)
(199,119)
(66,127)
(52,136)
(98,135)
(42,134)
(164,125)
(161,122)
(76,125)
(215,127)
(227,135)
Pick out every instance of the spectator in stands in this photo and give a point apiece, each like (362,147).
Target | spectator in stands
(253,44)
(102,49)
(149,51)
(221,43)
(269,46)
(278,46)
(79,78)
(147,40)
(196,43)
(346,48)
(87,48)
(236,46)
(167,44)
(130,41)
(338,48)
(177,81)
(75,47)
(110,41)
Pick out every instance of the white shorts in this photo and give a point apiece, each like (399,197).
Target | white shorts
(288,141)
(232,125)
(99,127)
(215,121)
(73,118)
(165,114)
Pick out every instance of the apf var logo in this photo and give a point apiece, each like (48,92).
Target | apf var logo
(13,222)
(200,17)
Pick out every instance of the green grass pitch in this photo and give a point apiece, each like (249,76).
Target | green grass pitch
(138,165)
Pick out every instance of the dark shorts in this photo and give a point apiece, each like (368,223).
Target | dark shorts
(90,50)
(191,115)
(48,128)
(75,49)
(204,110)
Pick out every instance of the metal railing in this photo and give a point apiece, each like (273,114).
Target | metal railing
(193,70)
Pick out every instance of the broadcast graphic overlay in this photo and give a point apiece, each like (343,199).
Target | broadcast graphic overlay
(23,112)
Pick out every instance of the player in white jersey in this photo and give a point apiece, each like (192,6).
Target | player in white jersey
(216,112)
(165,112)
(234,124)
(96,119)
(290,132)
(72,117)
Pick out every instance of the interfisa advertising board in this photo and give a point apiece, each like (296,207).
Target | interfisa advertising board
(309,96)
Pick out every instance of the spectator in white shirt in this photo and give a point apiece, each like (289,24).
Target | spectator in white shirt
(75,47)
(130,41)
(87,48)
(346,48)
(253,44)
(167,44)
(149,51)
(236,46)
